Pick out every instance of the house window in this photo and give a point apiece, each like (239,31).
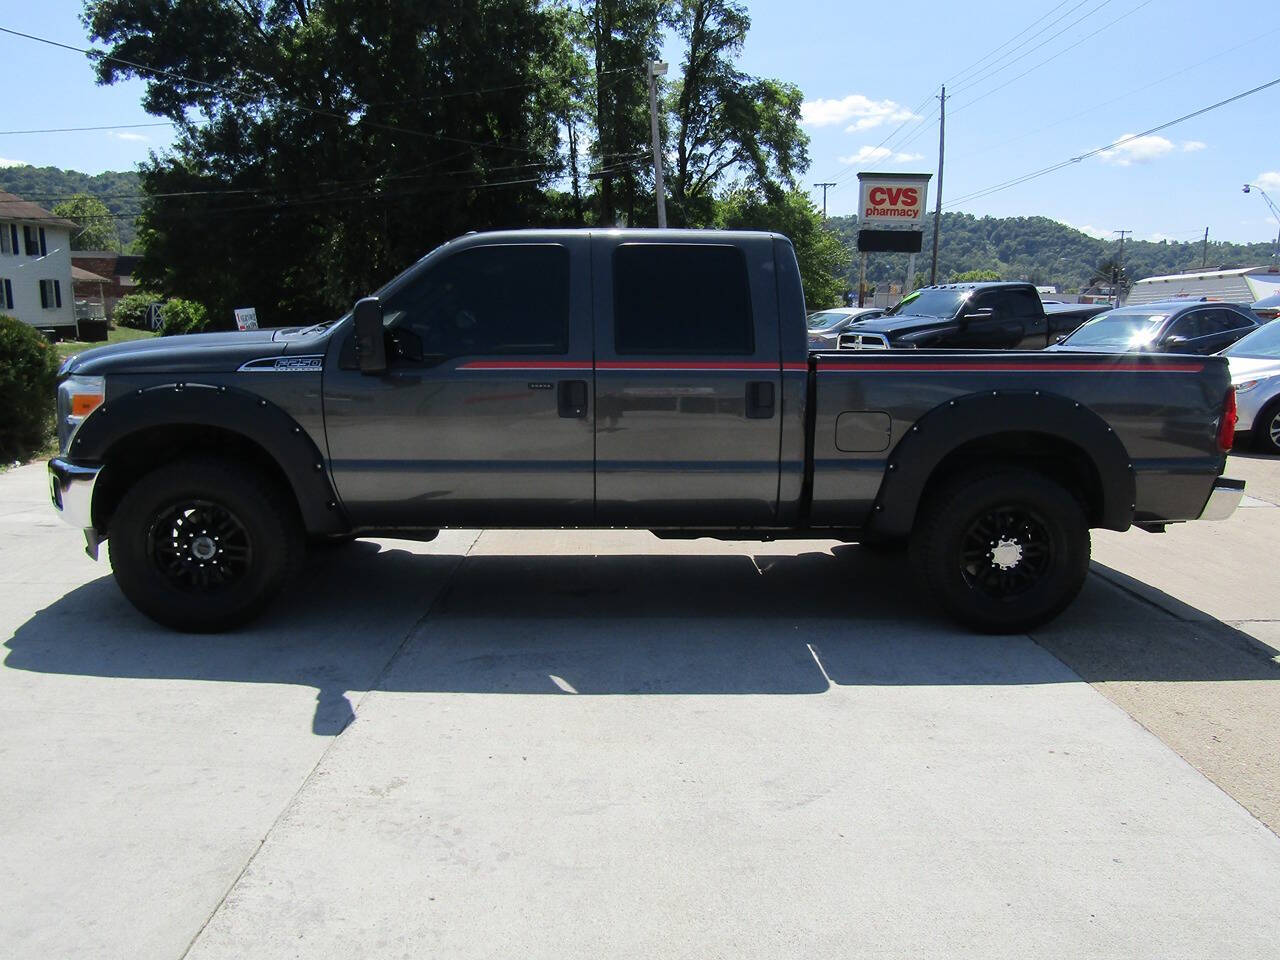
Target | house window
(6,241)
(31,240)
(11,231)
(6,294)
(51,294)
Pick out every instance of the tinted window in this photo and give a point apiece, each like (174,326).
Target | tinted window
(498,299)
(681,299)
(1024,303)
(1197,323)
(1230,320)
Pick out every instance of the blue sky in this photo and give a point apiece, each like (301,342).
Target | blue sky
(1094,72)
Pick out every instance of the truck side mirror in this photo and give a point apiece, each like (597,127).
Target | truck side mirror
(371,343)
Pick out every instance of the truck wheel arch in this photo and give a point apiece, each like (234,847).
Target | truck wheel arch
(132,434)
(1044,431)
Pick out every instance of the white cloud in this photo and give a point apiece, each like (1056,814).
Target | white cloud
(1191,146)
(865,112)
(1127,152)
(6,162)
(136,137)
(1269,180)
(878,154)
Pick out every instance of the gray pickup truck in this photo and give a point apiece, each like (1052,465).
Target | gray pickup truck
(658,380)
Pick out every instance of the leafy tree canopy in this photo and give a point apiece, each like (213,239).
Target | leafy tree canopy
(97,228)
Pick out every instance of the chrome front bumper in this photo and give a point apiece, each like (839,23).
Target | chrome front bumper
(1223,500)
(71,489)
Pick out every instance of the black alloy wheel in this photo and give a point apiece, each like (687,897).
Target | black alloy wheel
(1006,551)
(204,544)
(1001,549)
(200,545)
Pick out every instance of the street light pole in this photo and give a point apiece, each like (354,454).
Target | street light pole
(1274,212)
(657,69)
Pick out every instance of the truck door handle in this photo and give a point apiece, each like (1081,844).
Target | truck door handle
(760,400)
(572,397)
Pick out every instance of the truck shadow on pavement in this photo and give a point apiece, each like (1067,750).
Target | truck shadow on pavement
(367,617)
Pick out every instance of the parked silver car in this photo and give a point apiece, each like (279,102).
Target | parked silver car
(825,326)
(1255,372)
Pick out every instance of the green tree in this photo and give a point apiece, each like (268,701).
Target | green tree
(974,276)
(823,258)
(97,226)
(725,123)
(323,145)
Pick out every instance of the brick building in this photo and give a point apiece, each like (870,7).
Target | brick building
(113,273)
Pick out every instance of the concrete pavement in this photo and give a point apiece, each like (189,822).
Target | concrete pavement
(577,745)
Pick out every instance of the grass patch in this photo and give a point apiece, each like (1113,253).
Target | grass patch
(118,335)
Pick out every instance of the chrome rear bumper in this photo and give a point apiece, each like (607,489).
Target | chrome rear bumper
(71,489)
(1223,500)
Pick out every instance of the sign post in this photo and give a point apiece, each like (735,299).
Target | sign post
(891,209)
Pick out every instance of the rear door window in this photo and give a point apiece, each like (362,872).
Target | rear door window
(681,299)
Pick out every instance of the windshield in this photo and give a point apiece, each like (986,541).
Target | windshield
(931,303)
(825,319)
(1263,342)
(1118,329)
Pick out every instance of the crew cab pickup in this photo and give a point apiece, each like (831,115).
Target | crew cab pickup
(648,379)
(969,316)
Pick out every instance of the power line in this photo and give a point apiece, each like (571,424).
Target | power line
(1047,60)
(996,188)
(228,91)
(112,126)
(1005,65)
(1093,108)
(955,77)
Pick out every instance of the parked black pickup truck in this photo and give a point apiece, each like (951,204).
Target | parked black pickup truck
(969,316)
(649,379)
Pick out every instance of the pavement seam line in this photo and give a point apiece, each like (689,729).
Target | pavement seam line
(293,799)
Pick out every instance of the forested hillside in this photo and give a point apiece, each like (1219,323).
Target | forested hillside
(119,190)
(1040,250)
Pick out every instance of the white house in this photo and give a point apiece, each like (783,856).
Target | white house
(35,266)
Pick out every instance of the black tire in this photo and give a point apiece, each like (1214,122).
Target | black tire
(1266,429)
(1002,550)
(203,544)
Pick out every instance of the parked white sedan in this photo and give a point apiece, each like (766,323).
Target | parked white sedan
(1255,372)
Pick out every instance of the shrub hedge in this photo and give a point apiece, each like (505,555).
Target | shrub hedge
(28,378)
(131,310)
(182,316)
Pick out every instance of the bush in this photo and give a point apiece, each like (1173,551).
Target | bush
(28,378)
(131,310)
(182,316)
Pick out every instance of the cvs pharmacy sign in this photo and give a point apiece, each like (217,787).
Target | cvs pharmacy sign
(893,198)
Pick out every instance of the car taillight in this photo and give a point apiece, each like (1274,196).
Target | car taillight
(1227,425)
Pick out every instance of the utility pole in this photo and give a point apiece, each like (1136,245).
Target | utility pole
(824,187)
(1204,251)
(937,209)
(1118,272)
(657,69)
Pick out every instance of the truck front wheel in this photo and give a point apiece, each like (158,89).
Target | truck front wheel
(204,544)
(1002,550)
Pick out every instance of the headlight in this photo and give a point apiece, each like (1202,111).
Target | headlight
(77,398)
(1246,386)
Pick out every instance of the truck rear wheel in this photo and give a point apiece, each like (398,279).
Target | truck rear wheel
(204,544)
(1002,550)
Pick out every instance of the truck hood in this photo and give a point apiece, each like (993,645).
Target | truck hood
(900,325)
(188,353)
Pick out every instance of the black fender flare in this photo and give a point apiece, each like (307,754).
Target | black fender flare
(225,408)
(987,415)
